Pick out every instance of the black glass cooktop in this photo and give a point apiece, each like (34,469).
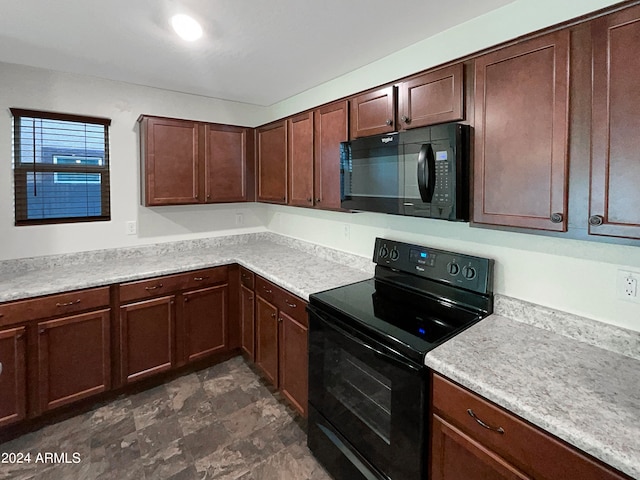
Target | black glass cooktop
(410,322)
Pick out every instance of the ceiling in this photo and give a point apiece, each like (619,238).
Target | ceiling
(258,52)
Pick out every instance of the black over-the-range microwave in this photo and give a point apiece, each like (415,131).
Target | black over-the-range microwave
(422,173)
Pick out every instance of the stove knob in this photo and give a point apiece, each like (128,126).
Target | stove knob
(384,251)
(453,268)
(468,272)
(394,255)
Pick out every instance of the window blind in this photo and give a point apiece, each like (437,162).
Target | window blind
(61,167)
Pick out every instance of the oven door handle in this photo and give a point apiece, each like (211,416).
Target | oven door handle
(395,359)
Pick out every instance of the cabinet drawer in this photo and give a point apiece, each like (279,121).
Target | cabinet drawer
(268,291)
(247,278)
(522,444)
(171,283)
(53,305)
(295,307)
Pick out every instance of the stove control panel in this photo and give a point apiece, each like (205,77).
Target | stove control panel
(457,269)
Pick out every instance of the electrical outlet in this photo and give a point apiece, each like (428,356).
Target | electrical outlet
(628,285)
(347,231)
(132,227)
(239,219)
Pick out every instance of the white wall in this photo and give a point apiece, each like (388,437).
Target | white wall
(570,275)
(39,89)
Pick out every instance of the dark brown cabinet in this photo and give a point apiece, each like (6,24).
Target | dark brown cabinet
(282,341)
(473,439)
(170,161)
(294,360)
(186,162)
(205,321)
(146,338)
(169,321)
(521,134)
(267,339)
(74,358)
(13,380)
(300,158)
(615,156)
(225,177)
(272,174)
(247,313)
(373,113)
(433,97)
(331,126)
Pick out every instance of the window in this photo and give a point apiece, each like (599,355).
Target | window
(61,167)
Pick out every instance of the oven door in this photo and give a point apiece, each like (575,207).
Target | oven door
(370,401)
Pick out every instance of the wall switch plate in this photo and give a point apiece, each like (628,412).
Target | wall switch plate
(132,227)
(627,285)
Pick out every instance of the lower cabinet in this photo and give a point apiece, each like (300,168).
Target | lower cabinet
(13,380)
(473,439)
(74,358)
(146,338)
(205,320)
(282,341)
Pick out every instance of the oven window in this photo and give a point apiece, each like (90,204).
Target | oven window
(361,389)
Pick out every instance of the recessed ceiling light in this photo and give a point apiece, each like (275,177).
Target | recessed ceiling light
(186,27)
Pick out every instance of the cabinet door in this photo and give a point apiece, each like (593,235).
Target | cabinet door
(13,382)
(294,352)
(247,321)
(331,126)
(272,162)
(225,163)
(434,97)
(267,339)
(300,158)
(205,321)
(146,338)
(373,113)
(615,161)
(521,124)
(171,161)
(456,456)
(74,358)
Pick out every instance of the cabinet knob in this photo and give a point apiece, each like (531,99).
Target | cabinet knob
(406,119)
(556,217)
(1,315)
(309,199)
(317,200)
(42,331)
(279,319)
(186,299)
(389,122)
(273,315)
(596,220)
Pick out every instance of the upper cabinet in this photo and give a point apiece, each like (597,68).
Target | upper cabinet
(373,113)
(521,106)
(186,162)
(300,158)
(271,143)
(170,160)
(615,143)
(430,98)
(225,163)
(331,126)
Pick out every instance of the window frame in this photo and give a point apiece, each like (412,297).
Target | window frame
(22,169)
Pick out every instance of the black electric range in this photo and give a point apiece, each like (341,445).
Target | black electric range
(368,386)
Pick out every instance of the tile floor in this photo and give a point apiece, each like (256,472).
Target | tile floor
(219,423)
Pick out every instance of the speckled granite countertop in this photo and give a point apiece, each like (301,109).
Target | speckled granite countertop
(583,394)
(576,378)
(301,269)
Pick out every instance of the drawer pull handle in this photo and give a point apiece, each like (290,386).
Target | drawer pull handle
(499,430)
(68,304)
(155,287)
(292,305)
(273,315)
(268,290)
(199,279)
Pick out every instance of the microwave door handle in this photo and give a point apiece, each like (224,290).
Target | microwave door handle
(426,172)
